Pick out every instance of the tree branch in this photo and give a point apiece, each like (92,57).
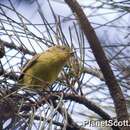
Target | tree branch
(2,49)
(13,46)
(81,100)
(93,72)
(114,88)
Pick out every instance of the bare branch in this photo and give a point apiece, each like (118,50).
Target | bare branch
(114,88)
(81,100)
(13,46)
(2,49)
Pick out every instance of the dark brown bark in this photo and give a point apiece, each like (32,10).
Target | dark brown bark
(114,88)
(2,49)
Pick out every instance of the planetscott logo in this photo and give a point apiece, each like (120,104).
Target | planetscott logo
(106,123)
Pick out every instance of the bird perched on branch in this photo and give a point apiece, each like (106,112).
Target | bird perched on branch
(43,69)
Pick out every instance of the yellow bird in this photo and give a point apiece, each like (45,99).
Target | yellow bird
(43,69)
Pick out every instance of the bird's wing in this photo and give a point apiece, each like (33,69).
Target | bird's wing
(29,64)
